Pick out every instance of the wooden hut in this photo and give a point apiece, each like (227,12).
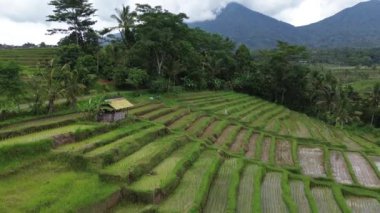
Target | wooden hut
(115,109)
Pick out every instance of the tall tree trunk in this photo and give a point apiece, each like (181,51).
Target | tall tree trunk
(51,104)
(372,118)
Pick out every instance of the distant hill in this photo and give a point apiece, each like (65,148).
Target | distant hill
(358,26)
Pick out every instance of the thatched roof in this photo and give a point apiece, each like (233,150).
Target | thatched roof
(116,104)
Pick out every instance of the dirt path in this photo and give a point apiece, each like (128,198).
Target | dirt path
(239,141)
(284,153)
(311,160)
(339,168)
(251,148)
(363,170)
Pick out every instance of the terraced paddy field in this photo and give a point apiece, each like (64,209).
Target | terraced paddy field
(194,152)
(28,57)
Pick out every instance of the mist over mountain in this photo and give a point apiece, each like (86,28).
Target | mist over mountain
(358,26)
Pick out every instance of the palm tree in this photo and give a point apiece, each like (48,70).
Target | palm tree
(72,86)
(52,82)
(126,23)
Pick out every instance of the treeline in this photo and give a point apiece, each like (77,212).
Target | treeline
(347,56)
(159,52)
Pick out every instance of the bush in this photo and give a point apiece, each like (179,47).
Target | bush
(160,85)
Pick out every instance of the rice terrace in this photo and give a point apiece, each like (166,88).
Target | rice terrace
(179,154)
(155,112)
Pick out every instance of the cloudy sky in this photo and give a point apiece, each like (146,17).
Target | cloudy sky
(23,21)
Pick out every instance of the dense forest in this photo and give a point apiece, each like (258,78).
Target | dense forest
(156,50)
(347,56)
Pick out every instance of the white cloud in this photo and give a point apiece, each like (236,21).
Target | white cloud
(20,33)
(24,20)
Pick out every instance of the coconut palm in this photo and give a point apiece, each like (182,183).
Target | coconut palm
(126,23)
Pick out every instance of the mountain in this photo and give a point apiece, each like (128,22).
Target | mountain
(358,26)
(252,28)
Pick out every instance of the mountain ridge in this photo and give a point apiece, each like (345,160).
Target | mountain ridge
(357,26)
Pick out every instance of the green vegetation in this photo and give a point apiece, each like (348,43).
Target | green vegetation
(168,172)
(209,150)
(271,193)
(34,137)
(325,199)
(152,167)
(144,159)
(51,187)
(247,189)
(30,57)
(194,185)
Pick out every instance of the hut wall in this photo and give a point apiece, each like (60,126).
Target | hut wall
(106,117)
(119,116)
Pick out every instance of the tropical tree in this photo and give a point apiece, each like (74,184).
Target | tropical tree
(77,14)
(11,85)
(159,35)
(51,80)
(374,102)
(71,84)
(126,20)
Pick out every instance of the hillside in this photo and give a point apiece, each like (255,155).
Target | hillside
(249,27)
(358,26)
(202,151)
(29,57)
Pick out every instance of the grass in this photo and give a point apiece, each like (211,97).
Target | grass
(40,122)
(50,187)
(297,190)
(127,143)
(189,194)
(364,85)
(157,113)
(233,188)
(145,109)
(171,172)
(30,138)
(340,198)
(228,136)
(28,57)
(287,194)
(100,140)
(169,169)
(257,184)
(271,194)
(199,125)
(325,199)
(217,200)
(21,162)
(259,144)
(184,122)
(168,118)
(145,158)
(247,188)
